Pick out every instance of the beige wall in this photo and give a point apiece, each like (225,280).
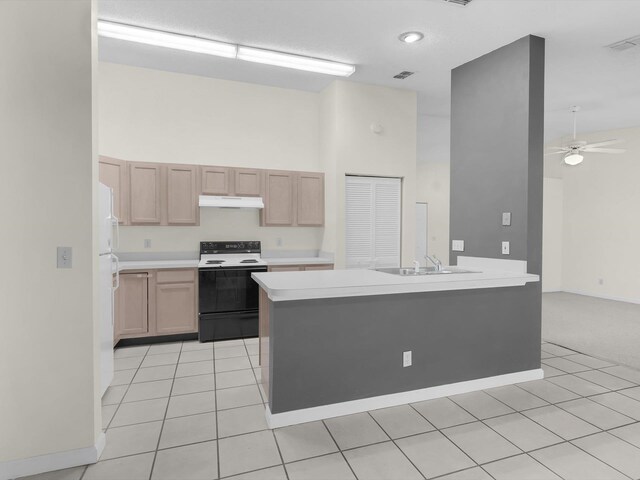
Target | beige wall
(350,147)
(433,188)
(155,116)
(552,221)
(601,230)
(48,398)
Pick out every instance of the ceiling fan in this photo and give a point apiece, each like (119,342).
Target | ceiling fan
(575,148)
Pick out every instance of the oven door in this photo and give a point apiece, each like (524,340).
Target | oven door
(227,289)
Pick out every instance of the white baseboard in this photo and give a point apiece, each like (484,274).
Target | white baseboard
(52,461)
(635,301)
(356,406)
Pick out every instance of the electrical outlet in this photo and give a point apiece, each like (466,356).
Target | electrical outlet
(279,241)
(601,281)
(506,219)
(65,257)
(406,359)
(147,243)
(505,248)
(457,245)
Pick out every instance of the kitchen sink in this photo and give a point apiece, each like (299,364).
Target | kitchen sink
(410,272)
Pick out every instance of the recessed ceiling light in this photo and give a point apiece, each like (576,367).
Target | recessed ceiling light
(411,37)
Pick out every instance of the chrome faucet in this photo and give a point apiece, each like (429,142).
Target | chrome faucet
(416,266)
(433,259)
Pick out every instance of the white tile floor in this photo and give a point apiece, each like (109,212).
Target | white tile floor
(194,411)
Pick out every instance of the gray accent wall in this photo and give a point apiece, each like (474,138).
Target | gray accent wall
(497,120)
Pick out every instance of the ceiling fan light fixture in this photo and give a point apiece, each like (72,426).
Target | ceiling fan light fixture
(411,37)
(573,159)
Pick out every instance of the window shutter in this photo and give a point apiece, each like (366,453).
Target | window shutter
(387,222)
(373,209)
(359,223)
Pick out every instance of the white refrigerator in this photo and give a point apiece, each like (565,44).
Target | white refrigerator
(108,267)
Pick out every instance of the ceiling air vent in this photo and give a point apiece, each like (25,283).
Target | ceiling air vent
(458,2)
(625,44)
(403,75)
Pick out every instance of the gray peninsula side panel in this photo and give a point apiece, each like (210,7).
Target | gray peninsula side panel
(335,350)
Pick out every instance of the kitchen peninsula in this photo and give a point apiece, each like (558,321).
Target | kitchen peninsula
(334,342)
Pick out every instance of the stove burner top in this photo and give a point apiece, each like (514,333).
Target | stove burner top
(249,260)
(214,262)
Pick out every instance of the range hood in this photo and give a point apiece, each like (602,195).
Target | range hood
(230,202)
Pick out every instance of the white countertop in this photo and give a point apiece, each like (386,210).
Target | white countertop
(157,264)
(284,286)
(297,260)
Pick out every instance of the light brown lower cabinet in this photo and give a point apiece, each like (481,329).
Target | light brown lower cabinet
(131,305)
(300,268)
(175,302)
(156,302)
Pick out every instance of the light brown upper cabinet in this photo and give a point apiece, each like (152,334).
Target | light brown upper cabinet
(145,187)
(293,199)
(279,199)
(228,181)
(216,180)
(182,195)
(247,182)
(310,199)
(113,174)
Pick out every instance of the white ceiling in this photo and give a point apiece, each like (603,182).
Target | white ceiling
(579,70)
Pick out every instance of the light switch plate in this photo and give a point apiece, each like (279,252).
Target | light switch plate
(505,248)
(147,243)
(65,257)
(457,245)
(506,219)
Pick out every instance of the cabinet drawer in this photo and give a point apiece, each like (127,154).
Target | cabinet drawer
(285,268)
(176,276)
(324,266)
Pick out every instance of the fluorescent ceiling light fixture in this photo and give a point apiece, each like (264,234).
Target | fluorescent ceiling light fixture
(288,60)
(221,49)
(573,159)
(167,40)
(411,37)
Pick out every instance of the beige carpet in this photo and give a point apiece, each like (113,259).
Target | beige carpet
(601,328)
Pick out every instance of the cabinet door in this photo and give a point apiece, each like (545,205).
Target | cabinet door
(216,180)
(175,308)
(284,268)
(132,304)
(113,174)
(248,182)
(318,267)
(310,199)
(145,185)
(279,199)
(182,195)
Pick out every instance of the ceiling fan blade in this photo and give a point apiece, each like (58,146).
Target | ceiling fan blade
(554,153)
(604,150)
(604,143)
